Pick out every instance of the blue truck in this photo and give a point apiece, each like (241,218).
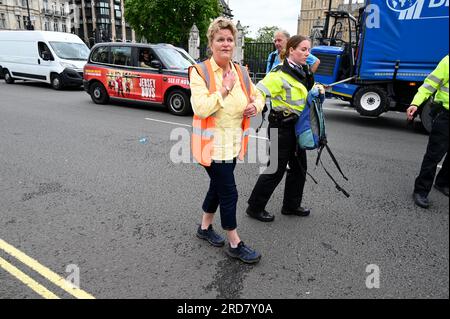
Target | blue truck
(378,61)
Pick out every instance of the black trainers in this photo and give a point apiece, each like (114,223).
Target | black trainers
(243,253)
(211,236)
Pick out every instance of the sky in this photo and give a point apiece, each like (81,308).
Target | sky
(266,13)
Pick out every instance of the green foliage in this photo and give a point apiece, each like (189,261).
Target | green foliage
(170,21)
(265,34)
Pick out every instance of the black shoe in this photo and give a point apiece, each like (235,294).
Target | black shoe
(421,200)
(263,216)
(303,212)
(211,236)
(443,189)
(243,253)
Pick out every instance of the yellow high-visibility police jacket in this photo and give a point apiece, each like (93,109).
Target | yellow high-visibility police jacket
(436,82)
(287,94)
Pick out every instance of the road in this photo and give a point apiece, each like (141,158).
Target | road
(94,187)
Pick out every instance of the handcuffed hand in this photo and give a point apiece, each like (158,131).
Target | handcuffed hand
(229,79)
(250,110)
(321,88)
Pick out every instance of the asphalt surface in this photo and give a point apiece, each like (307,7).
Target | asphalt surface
(95,186)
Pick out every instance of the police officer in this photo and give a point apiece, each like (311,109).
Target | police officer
(436,83)
(287,86)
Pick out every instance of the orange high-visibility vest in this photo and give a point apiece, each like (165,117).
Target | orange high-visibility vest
(203,129)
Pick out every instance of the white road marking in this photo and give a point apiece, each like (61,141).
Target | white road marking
(166,122)
(348,110)
(187,125)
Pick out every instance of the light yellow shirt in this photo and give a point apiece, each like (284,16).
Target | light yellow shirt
(228,112)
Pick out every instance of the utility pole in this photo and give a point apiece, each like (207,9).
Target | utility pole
(327,21)
(29,25)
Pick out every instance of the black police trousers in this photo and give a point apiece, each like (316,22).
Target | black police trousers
(295,179)
(436,149)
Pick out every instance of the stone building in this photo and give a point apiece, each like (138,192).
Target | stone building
(49,15)
(312,14)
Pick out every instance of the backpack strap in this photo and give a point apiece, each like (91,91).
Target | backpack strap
(335,161)
(339,188)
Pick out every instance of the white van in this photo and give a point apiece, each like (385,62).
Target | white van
(52,57)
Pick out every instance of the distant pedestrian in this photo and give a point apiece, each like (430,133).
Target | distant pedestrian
(436,83)
(280,39)
(223,100)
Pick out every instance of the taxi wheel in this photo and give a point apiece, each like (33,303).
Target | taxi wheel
(178,103)
(98,93)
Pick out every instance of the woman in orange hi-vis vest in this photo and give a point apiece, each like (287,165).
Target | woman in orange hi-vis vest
(223,100)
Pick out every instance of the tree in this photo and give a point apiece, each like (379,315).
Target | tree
(170,21)
(265,34)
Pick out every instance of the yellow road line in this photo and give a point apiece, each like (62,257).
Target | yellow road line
(44,271)
(30,282)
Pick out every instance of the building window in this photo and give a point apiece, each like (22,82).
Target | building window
(2,20)
(19,22)
(24,3)
(55,25)
(46,25)
(63,27)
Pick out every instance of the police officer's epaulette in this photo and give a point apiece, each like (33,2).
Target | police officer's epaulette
(277,68)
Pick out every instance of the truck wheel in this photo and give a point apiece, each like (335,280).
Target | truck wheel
(56,82)
(98,93)
(371,101)
(8,78)
(425,117)
(178,103)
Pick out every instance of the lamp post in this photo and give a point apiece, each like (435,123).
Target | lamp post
(29,25)
(327,21)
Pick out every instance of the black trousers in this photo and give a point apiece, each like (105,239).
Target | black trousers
(295,178)
(437,148)
(222,191)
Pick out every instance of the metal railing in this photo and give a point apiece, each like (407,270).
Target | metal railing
(255,56)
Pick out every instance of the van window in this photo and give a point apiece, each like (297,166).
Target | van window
(121,56)
(42,47)
(70,51)
(101,55)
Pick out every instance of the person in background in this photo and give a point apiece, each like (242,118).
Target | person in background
(435,84)
(145,59)
(280,39)
(223,100)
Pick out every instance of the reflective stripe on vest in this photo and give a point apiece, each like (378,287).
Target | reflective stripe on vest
(203,129)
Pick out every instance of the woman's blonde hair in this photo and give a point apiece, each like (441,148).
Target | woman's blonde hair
(218,24)
(293,42)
